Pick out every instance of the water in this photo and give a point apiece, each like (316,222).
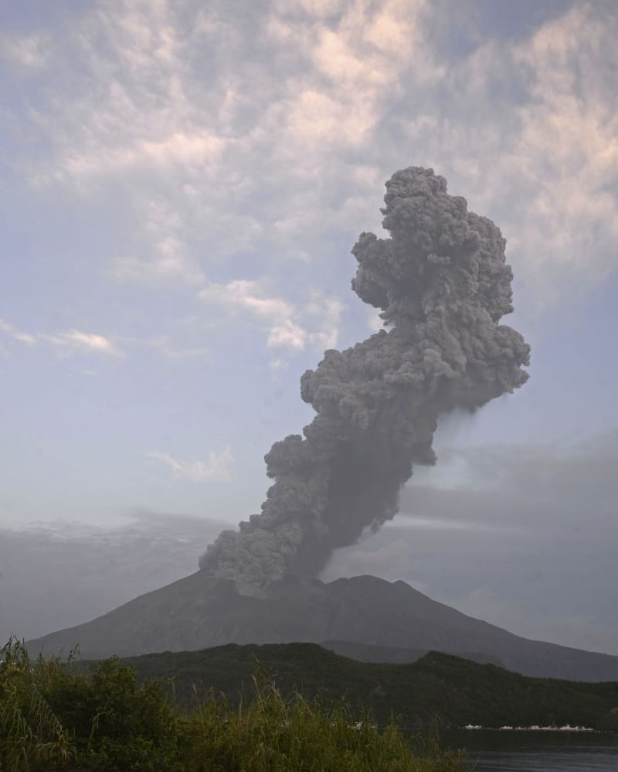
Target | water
(497,751)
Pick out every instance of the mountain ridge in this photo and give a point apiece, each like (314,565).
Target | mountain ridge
(457,690)
(199,612)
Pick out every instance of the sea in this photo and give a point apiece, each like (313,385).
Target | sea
(536,751)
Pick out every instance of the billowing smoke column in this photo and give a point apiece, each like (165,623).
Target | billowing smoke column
(442,283)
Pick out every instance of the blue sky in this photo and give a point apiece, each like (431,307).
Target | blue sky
(181,186)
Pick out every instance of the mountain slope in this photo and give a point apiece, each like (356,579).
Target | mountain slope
(457,690)
(198,612)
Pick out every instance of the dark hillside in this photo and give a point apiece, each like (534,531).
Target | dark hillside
(458,690)
(364,652)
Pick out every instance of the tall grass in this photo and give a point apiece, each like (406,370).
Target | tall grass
(55,719)
(31,734)
(274,735)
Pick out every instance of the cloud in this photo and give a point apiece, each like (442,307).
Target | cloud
(175,149)
(76,341)
(572,216)
(69,342)
(169,348)
(406,520)
(529,134)
(63,573)
(215,469)
(387,561)
(285,324)
(521,536)
(167,256)
(537,488)
(374,323)
(147,118)
(278,314)
(278,364)
(22,337)
(307,107)
(29,51)
(327,312)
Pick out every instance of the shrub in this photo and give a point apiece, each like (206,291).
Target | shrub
(56,718)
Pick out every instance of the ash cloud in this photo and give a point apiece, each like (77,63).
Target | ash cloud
(442,285)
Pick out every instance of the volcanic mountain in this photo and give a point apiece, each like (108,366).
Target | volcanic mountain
(365,617)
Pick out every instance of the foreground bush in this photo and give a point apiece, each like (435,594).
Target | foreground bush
(53,718)
(31,734)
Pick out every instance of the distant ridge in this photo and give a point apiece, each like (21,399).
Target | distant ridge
(364,652)
(200,612)
(457,690)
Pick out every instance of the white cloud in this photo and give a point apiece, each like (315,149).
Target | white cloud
(287,326)
(148,121)
(326,310)
(191,150)
(166,257)
(215,469)
(283,147)
(278,364)
(530,138)
(374,323)
(316,119)
(362,56)
(22,337)
(317,8)
(278,314)
(569,141)
(171,349)
(68,342)
(74,341)
(30,51)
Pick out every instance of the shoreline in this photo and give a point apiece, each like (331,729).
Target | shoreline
(533,728)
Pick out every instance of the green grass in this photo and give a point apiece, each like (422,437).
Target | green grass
(55,717)
(31,734)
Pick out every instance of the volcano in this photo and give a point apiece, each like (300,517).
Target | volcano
(441,285)
(364,617)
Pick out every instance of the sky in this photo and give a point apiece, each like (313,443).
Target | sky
(181,184)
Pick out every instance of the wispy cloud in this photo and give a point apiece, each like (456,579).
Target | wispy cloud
(22,337)
(147,118)
(215,469)
(166,256)
(29,51)
(173,350)
(255,158)
(407,520)
(287,326)
(539,152)
(76,341)
(326,311)
(277,314)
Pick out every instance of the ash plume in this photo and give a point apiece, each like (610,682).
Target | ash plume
(442,285)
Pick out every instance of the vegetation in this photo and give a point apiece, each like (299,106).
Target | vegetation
(57,716)
(457,690)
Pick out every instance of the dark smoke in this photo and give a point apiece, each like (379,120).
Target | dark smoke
(442,283)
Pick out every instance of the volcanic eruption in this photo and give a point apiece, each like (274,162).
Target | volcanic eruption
(442,285)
